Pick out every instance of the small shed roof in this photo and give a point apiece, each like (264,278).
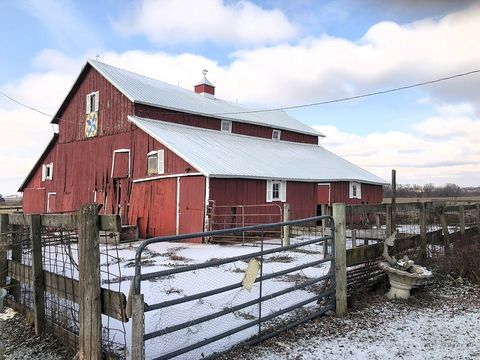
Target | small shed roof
(220,154)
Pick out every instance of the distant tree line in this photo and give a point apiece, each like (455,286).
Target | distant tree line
(430,190)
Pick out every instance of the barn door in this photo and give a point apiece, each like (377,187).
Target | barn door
(121,171)
(191,204)
(51,202)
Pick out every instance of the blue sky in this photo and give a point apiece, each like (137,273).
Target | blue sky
(266,53)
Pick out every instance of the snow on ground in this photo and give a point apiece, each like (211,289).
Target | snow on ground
(438,323)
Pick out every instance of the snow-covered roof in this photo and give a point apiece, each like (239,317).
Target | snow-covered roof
(220,154)
(145,90)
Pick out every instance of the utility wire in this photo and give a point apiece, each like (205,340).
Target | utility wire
(301,105)
(355,96)
(26,106)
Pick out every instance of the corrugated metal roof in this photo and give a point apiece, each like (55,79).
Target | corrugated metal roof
(220,154)
(142,89)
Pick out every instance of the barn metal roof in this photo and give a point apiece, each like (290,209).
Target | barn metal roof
(145,90)
(220,154)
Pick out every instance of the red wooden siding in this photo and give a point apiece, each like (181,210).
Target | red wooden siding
(192,205)
(214,124)
(121,165)
(154,207)
(112,111)
(300,196)
(371,194)
(323,194)
(83,168)
(36,201)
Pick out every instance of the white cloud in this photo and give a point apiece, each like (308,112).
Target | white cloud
(440,149)
(193,21)
(311,70)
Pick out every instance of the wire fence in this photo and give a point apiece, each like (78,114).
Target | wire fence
(50,294)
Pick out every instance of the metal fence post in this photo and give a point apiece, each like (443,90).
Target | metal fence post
(286,229)
(340,260)
(3,249)
(89,277)
(35,224)
(138,327)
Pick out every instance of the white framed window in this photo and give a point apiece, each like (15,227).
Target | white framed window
(226,126)
(276,190)
(156,162)
(355,190)
(276,135)
(92,102)
(47,172)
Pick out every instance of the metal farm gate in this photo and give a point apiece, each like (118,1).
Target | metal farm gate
(203,309)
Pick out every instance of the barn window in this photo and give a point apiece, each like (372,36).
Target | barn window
(276,190)
(92,102)
(355,190)
(47,172)
(155,162)
(226,126)
(276,135)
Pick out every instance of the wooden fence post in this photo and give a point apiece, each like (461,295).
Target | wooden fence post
(138,328)
(422,256)
(35,224)
(3,249)
(461,216)
(477,213)
(340,260)
(17,238)
(446,235)
(389,219)
(89,277)
(286,229)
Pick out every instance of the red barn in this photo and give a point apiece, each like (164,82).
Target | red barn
(162,156)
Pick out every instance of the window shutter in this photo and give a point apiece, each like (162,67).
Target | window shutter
(283,191)
(359,190)
(44,172)
(51,171)
(269,190)
(97,100)
(161,161)
(87,102)
(350,192)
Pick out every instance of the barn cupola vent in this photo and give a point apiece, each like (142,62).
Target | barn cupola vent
(205,87)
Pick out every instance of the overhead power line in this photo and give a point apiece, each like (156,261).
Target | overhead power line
(354,97)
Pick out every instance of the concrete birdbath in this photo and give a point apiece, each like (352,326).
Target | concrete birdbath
(403,274)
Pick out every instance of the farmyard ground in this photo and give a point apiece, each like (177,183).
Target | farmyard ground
(440,322)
